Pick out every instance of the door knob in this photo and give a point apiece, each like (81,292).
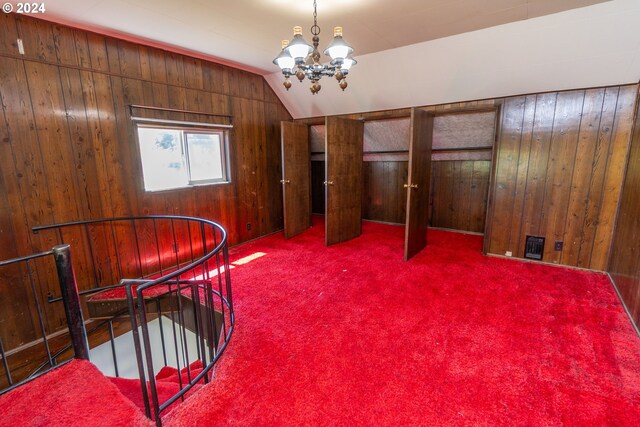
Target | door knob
(285,181)
(411,186)
(328,183)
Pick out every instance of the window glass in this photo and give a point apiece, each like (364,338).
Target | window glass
(205,156)
(175,158)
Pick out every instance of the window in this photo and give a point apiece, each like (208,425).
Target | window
(182,157)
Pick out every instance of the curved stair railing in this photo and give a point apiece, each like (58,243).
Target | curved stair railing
(169,275)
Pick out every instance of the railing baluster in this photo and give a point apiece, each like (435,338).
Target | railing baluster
(142,309)
(190,246)
(197,319)
(43,331)
(92,256)
(7,372)
(175,244)
(155,232)
(211,313)
(135,233)
(133,315)
(183,334)
(220,273)
(115,246)
(203,236)
(175,339)
(159,314)
(113,348)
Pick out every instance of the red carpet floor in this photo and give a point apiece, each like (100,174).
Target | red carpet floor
(352,335)
(75,394)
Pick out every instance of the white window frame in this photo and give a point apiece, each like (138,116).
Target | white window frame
(221,131)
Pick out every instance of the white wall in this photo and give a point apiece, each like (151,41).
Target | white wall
(593,46)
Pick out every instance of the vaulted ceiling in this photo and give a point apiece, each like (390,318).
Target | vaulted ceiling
(404,47)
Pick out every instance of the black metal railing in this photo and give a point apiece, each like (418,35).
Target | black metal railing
(165,281)
(61,255)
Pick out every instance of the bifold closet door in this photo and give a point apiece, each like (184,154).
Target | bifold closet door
(418,184)
(296,183)
(343,145)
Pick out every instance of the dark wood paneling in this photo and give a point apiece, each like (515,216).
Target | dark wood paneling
(624,263)
(560,158)
(458,197)
(68,148)
(384,198)
(459,194)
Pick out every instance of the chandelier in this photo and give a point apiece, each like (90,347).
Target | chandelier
(302,59)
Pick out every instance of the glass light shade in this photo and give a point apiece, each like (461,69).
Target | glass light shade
(284,60)
(338,48)
(298,48)
(347,63)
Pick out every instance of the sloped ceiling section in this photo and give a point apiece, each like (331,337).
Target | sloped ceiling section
(588,47)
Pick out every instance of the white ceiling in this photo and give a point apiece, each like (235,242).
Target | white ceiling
(410,52)
(248,32)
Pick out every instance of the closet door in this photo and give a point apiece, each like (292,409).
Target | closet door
(344,139)
(421,135)
(296,183)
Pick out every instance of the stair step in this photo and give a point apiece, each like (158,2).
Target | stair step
(72,394)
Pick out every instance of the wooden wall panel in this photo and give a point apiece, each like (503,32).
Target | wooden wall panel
(459,190)
(559,172)
(69,152)
(458,196)
(384,198)
(624,263)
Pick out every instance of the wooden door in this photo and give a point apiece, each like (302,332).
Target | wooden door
(343,144)
(418,184)
(296,185)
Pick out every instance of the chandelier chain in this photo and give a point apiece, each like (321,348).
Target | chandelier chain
(315,29)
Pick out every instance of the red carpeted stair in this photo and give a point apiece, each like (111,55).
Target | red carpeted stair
(352,335)
(168,383)
(75,394)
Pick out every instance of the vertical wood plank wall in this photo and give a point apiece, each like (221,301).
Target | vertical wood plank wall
(458,196)
(560,160)
(459,190)
(68,152)
(624,264)
(383,197)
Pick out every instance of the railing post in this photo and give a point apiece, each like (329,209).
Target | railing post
(71,300)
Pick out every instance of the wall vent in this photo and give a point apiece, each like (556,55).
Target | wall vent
(534,247)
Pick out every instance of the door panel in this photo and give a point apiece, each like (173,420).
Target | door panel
(344,139)
(296,183)
(418,182)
